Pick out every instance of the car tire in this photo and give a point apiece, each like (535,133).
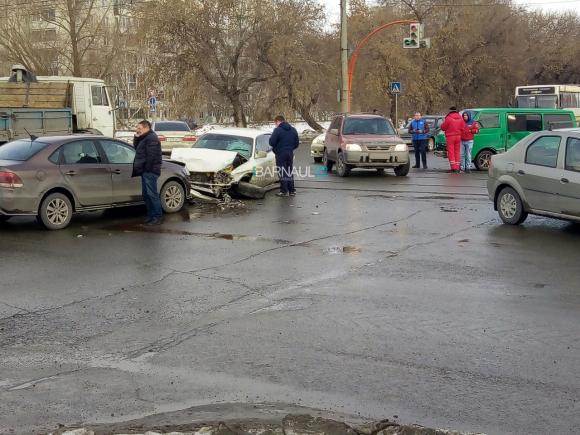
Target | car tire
(172,197)
(483,159)
(326,161)
(403,170)
(381,171)
(510,207)
(55,212)
(431,144)
(317,159)
(342,168)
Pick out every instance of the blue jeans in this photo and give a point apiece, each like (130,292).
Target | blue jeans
(151,195)
(285,166)
(466,147)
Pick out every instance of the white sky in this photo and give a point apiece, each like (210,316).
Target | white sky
(333,6)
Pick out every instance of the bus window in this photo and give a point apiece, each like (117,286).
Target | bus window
(526,102)
(547,101)
(569,100)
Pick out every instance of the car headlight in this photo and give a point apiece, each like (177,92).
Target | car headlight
(401,147)
(228,169)
(353,147)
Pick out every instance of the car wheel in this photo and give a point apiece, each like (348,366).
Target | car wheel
(381,171)
(483,159)
(431,144)
(403,170)
(510,207)
(172,197)
(342,168)
(326,161)
(55,212)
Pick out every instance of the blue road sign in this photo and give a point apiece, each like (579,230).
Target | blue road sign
(395,87)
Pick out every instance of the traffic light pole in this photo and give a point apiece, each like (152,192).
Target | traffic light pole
(355,53)
(344,89)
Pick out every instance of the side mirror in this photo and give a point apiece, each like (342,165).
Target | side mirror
(334,131)
(261,154)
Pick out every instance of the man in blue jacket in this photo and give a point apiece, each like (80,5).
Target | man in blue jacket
(147,165)
(420,131)
(284,141)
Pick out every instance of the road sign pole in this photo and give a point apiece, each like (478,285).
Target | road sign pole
(396,110)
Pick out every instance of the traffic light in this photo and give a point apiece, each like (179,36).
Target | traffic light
(415,36)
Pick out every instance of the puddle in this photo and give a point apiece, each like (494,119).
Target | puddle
(464,241)
(137,228)
(335,250)
(286,222)
(448,210)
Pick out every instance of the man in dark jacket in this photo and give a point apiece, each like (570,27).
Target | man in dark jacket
(284,141)
(147,165)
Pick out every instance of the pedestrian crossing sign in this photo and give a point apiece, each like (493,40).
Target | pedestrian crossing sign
(395,87)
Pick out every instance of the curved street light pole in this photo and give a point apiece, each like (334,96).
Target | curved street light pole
(359,46)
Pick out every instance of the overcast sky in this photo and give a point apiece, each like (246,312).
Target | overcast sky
(333,6)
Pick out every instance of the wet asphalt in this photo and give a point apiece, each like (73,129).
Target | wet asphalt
(372,295)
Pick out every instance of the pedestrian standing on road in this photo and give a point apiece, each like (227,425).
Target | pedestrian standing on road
(419,129)
(470,129)
(284,141)
(147,165)
(453,128)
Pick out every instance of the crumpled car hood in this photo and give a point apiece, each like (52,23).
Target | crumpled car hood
(203,159)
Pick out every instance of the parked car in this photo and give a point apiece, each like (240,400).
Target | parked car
(230,160)
(540,175)
(53,177)
(173,134)
(317,148)
(501,128)
(364,141)
(434,122)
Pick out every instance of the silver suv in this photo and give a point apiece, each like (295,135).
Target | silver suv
(364,141)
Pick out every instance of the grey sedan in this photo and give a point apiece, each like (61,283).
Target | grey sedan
(540,175)
(53,177)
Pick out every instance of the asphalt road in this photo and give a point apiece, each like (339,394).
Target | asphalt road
(372,295)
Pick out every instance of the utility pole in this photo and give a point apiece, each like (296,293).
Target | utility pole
(344,97)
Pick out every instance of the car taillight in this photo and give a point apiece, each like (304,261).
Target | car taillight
(162,138)
(10,180)
(189,138)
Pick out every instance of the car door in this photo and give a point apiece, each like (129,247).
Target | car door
(539,175)
(86,173)
(332,140)
(570,180)
(120,157)
(491,133)
(265,165)
(520,125)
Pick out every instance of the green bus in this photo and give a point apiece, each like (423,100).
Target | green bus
(502,128)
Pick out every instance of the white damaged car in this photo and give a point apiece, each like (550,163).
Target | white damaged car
(230,160)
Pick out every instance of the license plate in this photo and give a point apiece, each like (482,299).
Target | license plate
(173,139)
(378,156)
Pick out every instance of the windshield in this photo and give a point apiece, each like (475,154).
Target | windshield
(539,101)
(21,150)
(171,126)
(367,126)
(225,142)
